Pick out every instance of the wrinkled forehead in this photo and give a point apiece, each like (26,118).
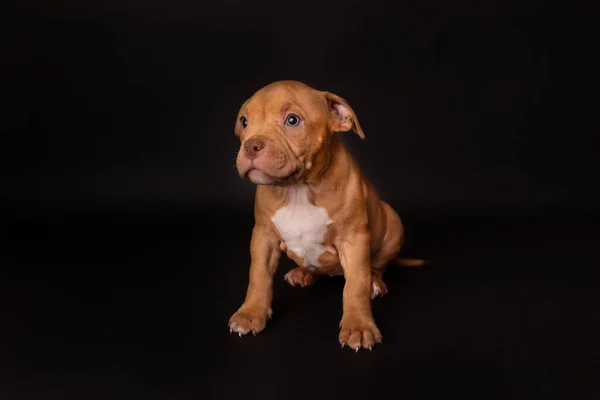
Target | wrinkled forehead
(281,99)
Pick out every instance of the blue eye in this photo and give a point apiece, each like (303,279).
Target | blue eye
(292,120)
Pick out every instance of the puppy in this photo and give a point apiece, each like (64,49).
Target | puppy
(313,203)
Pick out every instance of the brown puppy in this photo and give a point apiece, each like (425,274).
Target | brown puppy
(313,203)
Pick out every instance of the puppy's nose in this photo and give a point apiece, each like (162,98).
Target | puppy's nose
(252,147)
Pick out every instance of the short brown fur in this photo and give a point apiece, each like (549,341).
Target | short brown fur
(366,235)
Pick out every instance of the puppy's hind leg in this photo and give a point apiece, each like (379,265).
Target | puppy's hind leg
(392,243)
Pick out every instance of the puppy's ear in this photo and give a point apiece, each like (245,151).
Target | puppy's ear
(342,117)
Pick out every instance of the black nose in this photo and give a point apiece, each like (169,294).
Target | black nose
(252,147)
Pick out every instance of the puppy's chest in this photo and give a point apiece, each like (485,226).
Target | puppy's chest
(302,226)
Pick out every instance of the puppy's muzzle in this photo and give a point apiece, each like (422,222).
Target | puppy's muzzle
(252,147)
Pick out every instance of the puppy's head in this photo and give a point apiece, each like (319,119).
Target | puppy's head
(283,127)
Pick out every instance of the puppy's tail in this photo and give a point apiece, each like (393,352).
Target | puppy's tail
(410,262)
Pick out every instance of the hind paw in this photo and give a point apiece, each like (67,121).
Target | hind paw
(378,287)
(300,276)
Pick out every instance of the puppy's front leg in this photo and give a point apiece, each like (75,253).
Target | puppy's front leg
(265,253)
(357,328)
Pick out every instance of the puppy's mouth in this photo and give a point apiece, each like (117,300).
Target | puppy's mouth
(258,176)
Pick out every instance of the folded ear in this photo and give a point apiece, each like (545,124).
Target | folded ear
(342,117)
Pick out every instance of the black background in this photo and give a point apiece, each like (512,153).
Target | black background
(127,228)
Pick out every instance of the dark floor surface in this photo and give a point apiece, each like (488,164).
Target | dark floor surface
(135,306)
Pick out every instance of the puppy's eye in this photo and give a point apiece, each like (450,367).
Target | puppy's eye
(244,122)
(292,120)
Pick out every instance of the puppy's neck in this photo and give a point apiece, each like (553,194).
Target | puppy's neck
(329,175)
(331,167)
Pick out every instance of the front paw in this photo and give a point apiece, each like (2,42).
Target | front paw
(249,319)
(359,332)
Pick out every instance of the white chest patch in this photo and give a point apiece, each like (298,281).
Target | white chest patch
(302,226)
